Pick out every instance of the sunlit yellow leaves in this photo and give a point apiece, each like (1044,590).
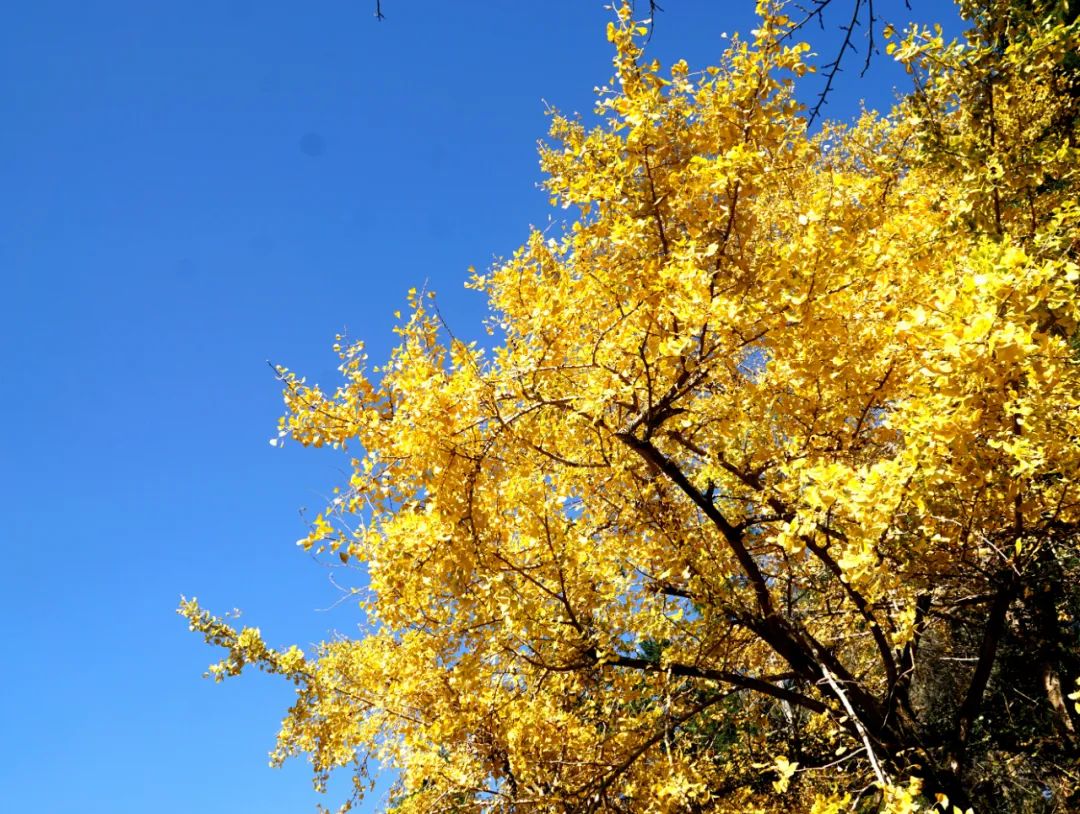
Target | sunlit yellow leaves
(767,398)
(903,799)
(830,804)
(785,770)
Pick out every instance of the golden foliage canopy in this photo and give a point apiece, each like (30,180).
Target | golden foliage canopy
(770,472)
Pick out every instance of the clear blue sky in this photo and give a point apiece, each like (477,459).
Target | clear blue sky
(187,190)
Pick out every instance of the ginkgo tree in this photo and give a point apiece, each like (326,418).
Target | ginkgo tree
(765,496)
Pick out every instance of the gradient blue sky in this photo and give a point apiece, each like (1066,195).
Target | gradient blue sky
(187,190)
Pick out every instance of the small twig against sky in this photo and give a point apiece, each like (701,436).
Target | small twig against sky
(654,7)
(816,11)
(833,68)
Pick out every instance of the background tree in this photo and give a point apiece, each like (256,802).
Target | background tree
(768,487)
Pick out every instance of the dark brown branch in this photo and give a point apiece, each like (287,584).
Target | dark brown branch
(731,534)
(822,553)
(671,590)
(721,251)
(655,203)
(663,732)
(870,403)
(833,68)
(994,630)
(909,656)
(796,646)
(734,679)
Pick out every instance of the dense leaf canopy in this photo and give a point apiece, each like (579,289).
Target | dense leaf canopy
(766,496)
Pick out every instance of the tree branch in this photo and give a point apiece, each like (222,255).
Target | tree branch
(734,679)
(995,628)
(731,534)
